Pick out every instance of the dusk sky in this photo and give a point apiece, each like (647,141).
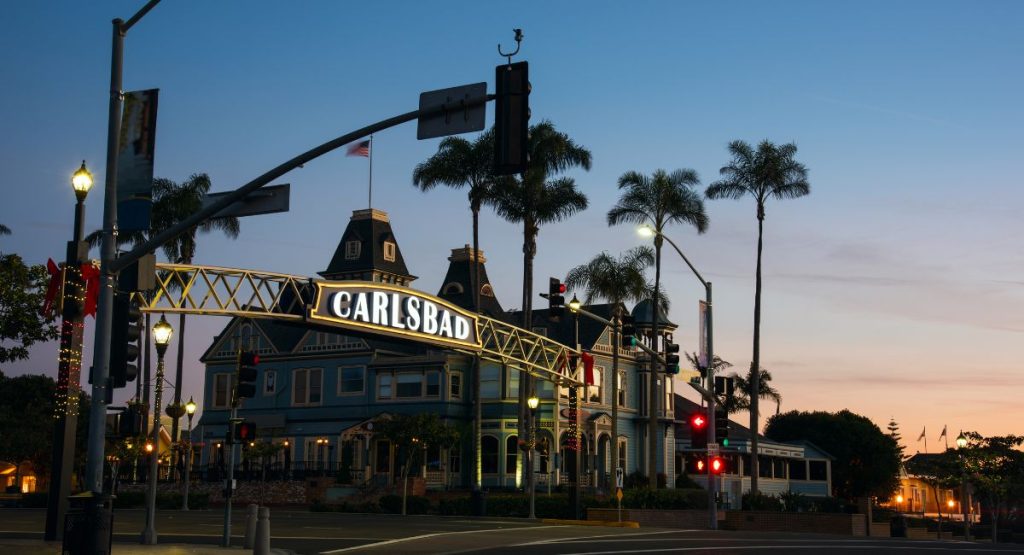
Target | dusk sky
(896,289)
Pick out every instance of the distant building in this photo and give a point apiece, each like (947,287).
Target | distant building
(320,392)
(794,466)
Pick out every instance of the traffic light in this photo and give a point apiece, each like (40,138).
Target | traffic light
(511,118)
(721,427)
(628,331)
(245,384)
(717,465)
(671,356)
(698,430)
(126,328)
(243,432)
(695,464)
(725,387)
(556,299)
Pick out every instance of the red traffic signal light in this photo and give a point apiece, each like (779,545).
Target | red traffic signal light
(698,421)
(717,465)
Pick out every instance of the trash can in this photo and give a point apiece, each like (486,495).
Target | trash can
(478,499)
(898,527)
(88,525)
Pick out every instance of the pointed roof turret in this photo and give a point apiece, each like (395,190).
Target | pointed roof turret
(457,286)
(368,251)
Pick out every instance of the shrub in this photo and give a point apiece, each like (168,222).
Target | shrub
(761,502)
(635,479)
(794,502)
(130,500)
(685,482)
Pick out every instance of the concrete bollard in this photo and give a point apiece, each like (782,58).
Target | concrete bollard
(250,526)
(262,546)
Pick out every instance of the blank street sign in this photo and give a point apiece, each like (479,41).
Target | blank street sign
(456,120)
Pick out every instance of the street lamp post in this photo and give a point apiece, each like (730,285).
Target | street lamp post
(648,231)
(532,402)
(162,333)
(961,444)
(69,366)
(190,410)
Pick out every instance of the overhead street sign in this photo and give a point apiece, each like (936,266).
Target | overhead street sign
(265,200)
(464,119)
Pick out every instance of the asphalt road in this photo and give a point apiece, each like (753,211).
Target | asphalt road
(336,533)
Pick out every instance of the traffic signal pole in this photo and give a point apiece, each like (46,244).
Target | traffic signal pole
(709,392)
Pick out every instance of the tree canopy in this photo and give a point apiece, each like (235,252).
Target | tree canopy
(22,293)
(867,461)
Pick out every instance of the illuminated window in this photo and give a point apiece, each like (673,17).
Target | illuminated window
(622,389)
(389,251)
(594,392)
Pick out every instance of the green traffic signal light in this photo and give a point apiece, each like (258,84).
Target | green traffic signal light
(725,442)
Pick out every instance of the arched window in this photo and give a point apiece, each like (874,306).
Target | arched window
(487,290)
(452,288)
(511,454)
(489,455)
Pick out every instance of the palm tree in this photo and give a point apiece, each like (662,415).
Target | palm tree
(534,198)
(456,164)
(4,230)
(658,200)
(765,391)
(617,281)
(769,172)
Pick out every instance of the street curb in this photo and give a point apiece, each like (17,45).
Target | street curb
(608,523)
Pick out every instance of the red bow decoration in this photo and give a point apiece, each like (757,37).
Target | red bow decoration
(91,281)
(588,368)
(54,287)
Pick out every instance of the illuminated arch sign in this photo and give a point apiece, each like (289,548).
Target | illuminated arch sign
(395,311)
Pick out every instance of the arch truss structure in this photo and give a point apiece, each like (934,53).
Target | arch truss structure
(216,291)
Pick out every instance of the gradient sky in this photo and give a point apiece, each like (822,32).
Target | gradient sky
(896,289)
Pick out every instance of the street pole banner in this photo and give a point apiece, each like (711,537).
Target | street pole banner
(135,160)
(702,325)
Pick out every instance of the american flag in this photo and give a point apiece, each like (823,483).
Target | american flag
(362,148)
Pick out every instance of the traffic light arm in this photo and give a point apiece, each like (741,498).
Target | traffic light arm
(703,392)
(228,199)
(654,354)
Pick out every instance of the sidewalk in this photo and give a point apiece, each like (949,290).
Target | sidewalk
(39,547)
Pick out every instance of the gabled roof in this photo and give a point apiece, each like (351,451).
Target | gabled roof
(371,228)
(564,331)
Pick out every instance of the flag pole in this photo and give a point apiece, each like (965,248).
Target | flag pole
(370,199)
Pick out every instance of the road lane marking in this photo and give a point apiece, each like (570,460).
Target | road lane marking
(886,547)
(421,537)
(557,540)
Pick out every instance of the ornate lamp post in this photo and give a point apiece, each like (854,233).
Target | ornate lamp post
(69,366)
(162,333)
(961,444)
(533,402)
(190,410)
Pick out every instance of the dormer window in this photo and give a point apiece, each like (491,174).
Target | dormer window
(389,251)
(486,290)
(352,250)
(453,288)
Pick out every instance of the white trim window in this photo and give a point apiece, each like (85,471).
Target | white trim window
(353,248)
(221,391)
(455,386)
(389,251)
(307,387)
(622,389)
(269,382)
(351,380)
(595,393)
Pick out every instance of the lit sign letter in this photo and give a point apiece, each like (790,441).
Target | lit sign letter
(461,328)
(429,317)
(412,313)
(445,329)
(361,311)
(396,313)
(380,309)
(341,304)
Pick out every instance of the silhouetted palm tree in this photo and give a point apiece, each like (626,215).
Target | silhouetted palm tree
(745,386)
(768,172)
(617,281)
(536,198)
(658,200)
(4,230)
(459,163)
(728,403)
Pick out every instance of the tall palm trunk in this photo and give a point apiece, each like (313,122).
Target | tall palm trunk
(529,250)
(616,340)
(178,386)
(652,402)
(755,371)
(477,477)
